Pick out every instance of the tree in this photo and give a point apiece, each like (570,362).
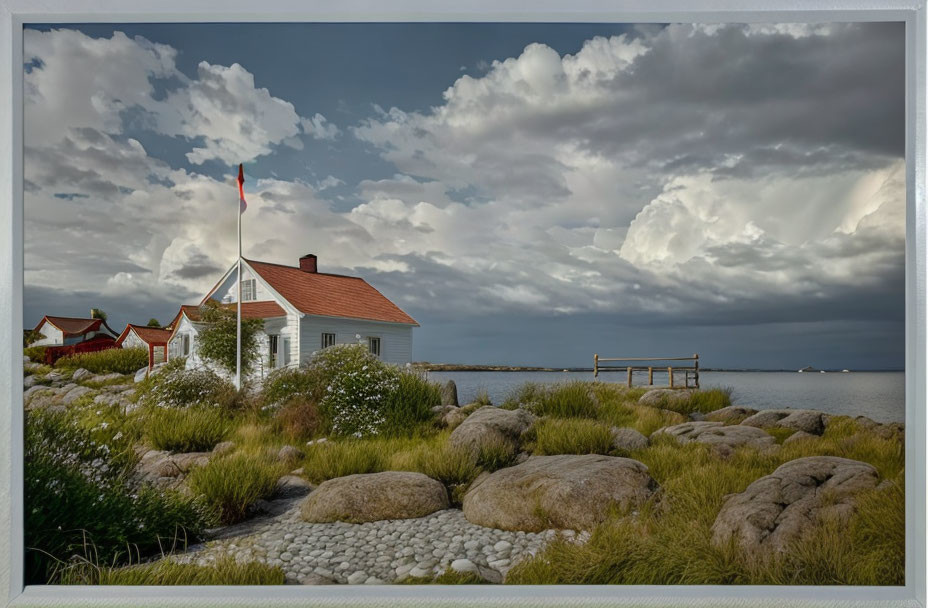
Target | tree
(217,338)
(153,322)
(96,313)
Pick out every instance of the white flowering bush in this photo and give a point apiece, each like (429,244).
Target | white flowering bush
(357,388)
(175,386)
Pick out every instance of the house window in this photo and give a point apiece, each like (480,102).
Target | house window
(328,340)
(286,351)
(273,358)
(248,290)
(185,344)
(374,345)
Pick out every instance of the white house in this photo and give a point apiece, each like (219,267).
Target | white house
(61,331)
(304,311)
(152,339)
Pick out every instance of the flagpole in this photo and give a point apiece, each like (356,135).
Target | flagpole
(238,299)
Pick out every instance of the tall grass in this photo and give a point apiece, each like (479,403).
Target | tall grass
(671,544)
(571,436)
(340,458)
(410,404)
(119,360)
(230,484)
(194,429)
(225,571)
(567,400)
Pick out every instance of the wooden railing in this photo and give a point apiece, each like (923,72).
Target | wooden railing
(690,372)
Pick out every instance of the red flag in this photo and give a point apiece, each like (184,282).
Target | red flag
(241,192)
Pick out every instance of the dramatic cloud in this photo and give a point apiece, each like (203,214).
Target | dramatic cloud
(709,175)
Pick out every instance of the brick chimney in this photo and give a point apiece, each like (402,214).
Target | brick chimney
(308,263)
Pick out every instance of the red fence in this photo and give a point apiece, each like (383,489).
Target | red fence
(53,353)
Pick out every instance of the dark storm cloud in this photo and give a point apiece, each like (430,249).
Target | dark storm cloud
(120,309)
(197,266)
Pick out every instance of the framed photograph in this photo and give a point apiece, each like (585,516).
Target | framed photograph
(509,303)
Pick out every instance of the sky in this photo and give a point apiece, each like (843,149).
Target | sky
(530,193)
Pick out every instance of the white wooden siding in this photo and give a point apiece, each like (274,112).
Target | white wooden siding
(395,339)
(52,336)
(227,292)
(133,341)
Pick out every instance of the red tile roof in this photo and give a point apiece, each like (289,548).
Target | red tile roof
(149,335)
(71,325)
(330,295)
(250,310)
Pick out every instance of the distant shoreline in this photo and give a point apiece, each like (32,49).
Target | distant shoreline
(459,367)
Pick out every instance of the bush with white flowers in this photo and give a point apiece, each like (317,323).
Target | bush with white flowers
(357,387)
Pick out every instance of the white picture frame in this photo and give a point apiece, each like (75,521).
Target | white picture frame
(15,13)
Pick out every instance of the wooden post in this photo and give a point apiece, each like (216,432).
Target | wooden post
(629,376)
(650,376)
(670,375)
(595,365)
(696,369)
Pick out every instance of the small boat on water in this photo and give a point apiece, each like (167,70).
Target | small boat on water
(845,371)
(821,371)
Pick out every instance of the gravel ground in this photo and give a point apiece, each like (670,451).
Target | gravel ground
(372,553)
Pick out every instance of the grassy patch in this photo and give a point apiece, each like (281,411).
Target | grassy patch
(410,404)
(567,400)
(231,483)
(36,354)
(669,542)
(339,458)
(571,436)
(224,572)
(780,434)
(119,360)
(702,401)
(194,429)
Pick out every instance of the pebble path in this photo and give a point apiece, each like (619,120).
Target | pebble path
(375,552)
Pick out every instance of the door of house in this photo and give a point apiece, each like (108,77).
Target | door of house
(157,355)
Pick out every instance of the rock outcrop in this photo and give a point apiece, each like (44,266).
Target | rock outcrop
(809,421)
(725,438)
(491,425)
(779,508)
(449,393)
(628,440)
(732,414)
(565,491)
(374,497)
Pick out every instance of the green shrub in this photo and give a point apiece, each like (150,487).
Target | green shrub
(566,400)
(193,429)
(225,571)
(175,386)
(119,360)
(410,403)
(572,436)
(331,459)
(358,386)
(289,383)
(230,484)
(36,354)
(218,338)
(77,495)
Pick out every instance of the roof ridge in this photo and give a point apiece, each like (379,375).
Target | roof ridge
(326,274)
(72,318)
